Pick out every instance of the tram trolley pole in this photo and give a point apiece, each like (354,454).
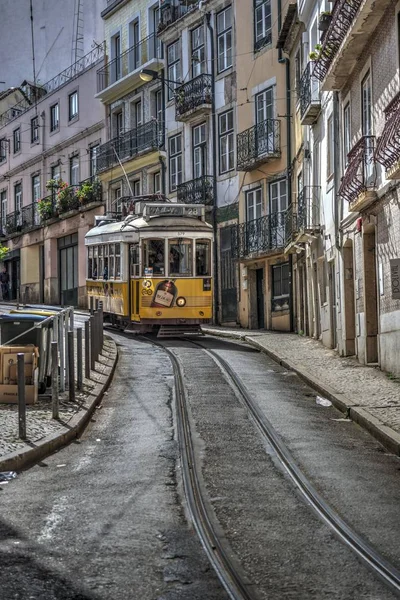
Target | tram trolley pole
(21,396)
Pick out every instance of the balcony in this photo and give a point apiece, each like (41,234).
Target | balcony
(258,145)
(310,101)
(259,237)
(193,97)
(388,145)
(359,181)
(122,74)
(21,221)
(197,191)
(170,14)
(144,138)
(352,24)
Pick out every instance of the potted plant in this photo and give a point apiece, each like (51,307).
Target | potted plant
(45,208)
(313,55)
(324,20)
(89,192)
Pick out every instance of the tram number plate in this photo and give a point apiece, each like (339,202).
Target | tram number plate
(206,285)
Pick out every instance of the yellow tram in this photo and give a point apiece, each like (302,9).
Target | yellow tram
(153,268)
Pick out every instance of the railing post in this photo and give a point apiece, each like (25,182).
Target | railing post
(91,304)
(87,349)
(66,329)
(101,331)
(54,380)
(21,396)
(71,319)
(79,358)
(62,351)
(92,343)
(71,366)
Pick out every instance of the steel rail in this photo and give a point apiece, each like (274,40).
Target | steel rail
(385,570)
(234,583)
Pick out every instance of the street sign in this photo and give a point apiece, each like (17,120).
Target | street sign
(395,278)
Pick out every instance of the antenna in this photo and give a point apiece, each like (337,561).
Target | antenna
(77,40)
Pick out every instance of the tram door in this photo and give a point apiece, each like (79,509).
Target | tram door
(134,271)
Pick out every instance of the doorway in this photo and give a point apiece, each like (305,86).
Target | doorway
(228,277)
(332,293)
(370,297)
(260,298)
(68,270)
(349,302)
(42,274)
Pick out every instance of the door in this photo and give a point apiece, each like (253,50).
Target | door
(370,296)
(15,274)
(332,287)
(42,274)
(265,112)
(366,102)
(68,269)
(260,298)
(228,278)
(278,208)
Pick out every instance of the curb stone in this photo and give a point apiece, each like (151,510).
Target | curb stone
(387,436)
(23,459)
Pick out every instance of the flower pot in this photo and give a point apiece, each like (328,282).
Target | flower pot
(324,22)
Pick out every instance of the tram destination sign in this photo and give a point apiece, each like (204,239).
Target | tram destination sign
(395,278)
(176,210)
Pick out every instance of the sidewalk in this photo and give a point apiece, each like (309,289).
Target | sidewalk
(46,435)
(365,394)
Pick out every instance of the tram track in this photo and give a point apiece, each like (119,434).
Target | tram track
(234,581)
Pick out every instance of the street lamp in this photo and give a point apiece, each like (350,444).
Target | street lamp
(148,75)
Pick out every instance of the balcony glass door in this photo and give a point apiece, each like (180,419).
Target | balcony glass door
(366,100)
(278,207)
(265,111)
(199,151)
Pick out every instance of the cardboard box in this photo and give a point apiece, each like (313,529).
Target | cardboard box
(9,393)
(10,360)
(4,350)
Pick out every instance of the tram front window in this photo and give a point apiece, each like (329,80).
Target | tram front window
(203,258)
(154,257)
(180,258)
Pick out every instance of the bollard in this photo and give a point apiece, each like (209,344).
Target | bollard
(55,329)
(101,327)
(96,335)
(79,368)
(54,380)
(17,298)
(96,304)
(66,339)
(91,305)
(87,350)
(71,366)
(61,348)
(71,319)
(92,343)
(21,396)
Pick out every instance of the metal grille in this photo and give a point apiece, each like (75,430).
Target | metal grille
(360,175)
(197,191)
(308,203)
(258,144)
(343,15)
(127,145)
(193,94)
(388,145)
(309,89)
(170,14)
(261,235)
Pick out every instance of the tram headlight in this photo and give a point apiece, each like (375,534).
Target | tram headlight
(181,301)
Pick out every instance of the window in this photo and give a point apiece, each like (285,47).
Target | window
(34,130)
(199,151)
(174,66)
(203,258)
(157,106)
(329,173)
(54,117)
(56,172)
(198,51)
(17,140)
(297,67)
(118,123)
(18,197)
(265,105)
(3,150)
(366,102)
(116,51)
(73,105)
(280,287)
(74,170)
(180,258)
(136,187)
(3,201)
(134,32)
(262,23)
(117,204)
(226,142)
(156,22)
(224,39)
(157,182)
(346,132)
(93,151)
(175,162)
(253,204)
(36,188)
(137,113)
(278,196)
(153,257)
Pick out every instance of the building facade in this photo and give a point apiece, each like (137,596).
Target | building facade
(48,188)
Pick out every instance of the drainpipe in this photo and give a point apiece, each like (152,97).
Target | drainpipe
(163,176)
(162,145)
(214,159)
(337,216)
(286,62)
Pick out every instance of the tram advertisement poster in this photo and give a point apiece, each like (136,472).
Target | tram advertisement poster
(164,294)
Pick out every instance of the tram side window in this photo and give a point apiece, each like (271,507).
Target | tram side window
(90,263)
(153,257)
(134,260)
(180,257)
(95,263)
(111,262)
(117,261)
(101,263)
(105,272)
(203,258)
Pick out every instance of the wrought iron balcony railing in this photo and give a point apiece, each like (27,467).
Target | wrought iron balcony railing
(192,95)
(146,137)
(258,144)
(259,236)
(310,102)
(388,144)
(197,191)
(290,223)
(170,13)
(343,15)
(308,208)
(360,175)
(129,61)
(22,220)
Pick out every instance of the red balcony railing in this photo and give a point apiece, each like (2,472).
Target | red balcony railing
(360,175)
(388,145)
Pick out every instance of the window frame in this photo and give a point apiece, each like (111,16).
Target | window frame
(266,38)
(280,297)
(18,197)
(74,169)
(35,130)
(329,161)
(198,49)
(174,67)
(17,140)
(175,158)
(71,97)
(3,208)
(93,156)
(223,34)
(54,117)
(229,136)
(346,131)
(255,198)
(201,147)
(36,185)
(3,150)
